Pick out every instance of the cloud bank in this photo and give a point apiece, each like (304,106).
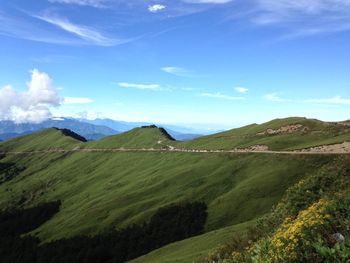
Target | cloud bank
(32,105)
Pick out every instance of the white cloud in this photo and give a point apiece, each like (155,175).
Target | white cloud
(140,86)
(274,97)
(178,71)
(88,34)
(32,105)
(19,28)
(241,89)
(156,8)
(77,100)
(220,96)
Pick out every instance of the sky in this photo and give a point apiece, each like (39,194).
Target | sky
(203,63)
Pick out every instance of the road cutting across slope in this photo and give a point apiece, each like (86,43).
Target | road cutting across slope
(343,148)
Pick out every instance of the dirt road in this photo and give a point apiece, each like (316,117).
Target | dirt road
(343,148)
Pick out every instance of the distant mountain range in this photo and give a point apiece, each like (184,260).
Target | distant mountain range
(9,129)
(123,126)
(90,129)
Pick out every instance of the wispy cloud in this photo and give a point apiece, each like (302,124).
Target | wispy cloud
(88,34)
(140,86)
(241,89)
(93,3)
(177,71)
(156,8)
(274,97)
(218,95)
(77,100)
(337,100)
(304,17)
(21,28)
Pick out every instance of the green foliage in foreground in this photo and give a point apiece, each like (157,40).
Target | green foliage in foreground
(310,224)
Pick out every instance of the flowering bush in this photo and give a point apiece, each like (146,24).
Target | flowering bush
(295,237)
(307,238)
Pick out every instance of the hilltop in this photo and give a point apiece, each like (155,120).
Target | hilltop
(288,134)
(143,137)
(89,129)
(52,138)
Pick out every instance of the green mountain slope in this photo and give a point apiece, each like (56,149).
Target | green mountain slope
(192,248)
(144,137)
(44,140)
(103,190)
(279,134)
(107,190)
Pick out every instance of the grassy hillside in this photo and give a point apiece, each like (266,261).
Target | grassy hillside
(146,137)
(296,133)
(103,190)
(190,249)
(309,224)
(46,139)
(108,190)
(279,134)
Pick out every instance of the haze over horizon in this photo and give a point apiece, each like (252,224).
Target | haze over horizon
(199,63)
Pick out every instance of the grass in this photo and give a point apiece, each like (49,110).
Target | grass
(189,249)
(317,133)
(104,190)
(300,227)
(42,140)
(101,190)
(136,138)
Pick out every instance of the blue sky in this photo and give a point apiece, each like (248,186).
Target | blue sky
(204,63)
